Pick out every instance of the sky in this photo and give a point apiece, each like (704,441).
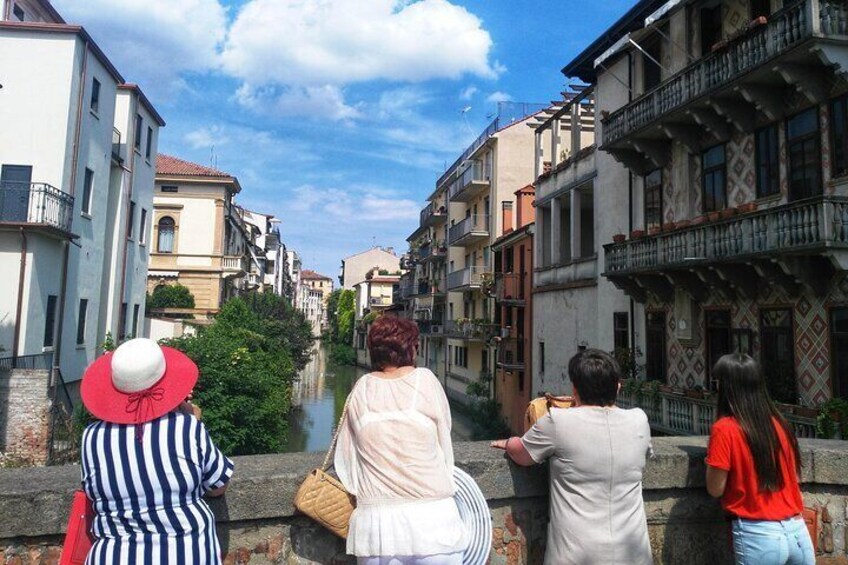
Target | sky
(337,116)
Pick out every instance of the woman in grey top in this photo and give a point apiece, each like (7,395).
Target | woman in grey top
(597,453)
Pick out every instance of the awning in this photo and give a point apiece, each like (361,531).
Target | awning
(659,14)
(163,274)
(615,48)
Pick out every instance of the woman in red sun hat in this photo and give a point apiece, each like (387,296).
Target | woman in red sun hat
(147,464)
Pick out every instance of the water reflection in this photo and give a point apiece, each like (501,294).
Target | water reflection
(318,398)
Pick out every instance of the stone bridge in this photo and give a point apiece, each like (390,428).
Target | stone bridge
(257,523)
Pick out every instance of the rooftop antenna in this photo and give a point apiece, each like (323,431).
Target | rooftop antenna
(464,113)
(213,159)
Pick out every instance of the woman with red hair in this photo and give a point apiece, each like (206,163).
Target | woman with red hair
(395,455)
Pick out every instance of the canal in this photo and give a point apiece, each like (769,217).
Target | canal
(318,397)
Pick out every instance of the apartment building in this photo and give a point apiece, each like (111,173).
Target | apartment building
(77,158)
(268,269)
(729,120)
(293,264)
(315,291)
(514,253)
(200,239)
(355,267)
(374,295)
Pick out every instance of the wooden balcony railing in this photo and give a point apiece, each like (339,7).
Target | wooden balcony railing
(677,414)
(784,30)
(813,224)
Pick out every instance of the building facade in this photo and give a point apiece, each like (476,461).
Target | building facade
(373,296)
(200,239)
(315,291)
(355,267)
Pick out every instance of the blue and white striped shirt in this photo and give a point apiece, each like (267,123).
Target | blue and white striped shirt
(148,494)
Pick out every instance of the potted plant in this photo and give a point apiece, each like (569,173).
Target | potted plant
(728,212)
(637,234)
(747,207)
(619,238)
(669,226)
(833,419)
(654,230)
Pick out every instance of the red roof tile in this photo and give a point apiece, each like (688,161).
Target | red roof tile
(168,165)
(306,274)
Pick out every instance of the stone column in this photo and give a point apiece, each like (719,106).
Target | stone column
(539,260)
(556,229)
(575,224)
(555,144)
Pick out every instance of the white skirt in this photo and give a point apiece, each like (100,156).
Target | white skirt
(415,528)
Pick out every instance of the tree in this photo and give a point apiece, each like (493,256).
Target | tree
(248,359)
(346,314)
(170,296)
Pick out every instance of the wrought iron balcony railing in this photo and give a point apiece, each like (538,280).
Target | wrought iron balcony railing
(784,30)
(470,230)
(814,224)
(35,203)
(471,330)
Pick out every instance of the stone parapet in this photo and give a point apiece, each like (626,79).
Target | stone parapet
(258,524)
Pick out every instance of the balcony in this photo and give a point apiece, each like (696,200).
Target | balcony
(687,413)
(37,205)
(431,328)
(469,231)
(407,289)
(791,244)
(234,266)
(751,73)
(511,354)
(433,215)
(471,182)
(509,289)
(467,279)
(379,302)
(481,330)
(116,146)
(432,252)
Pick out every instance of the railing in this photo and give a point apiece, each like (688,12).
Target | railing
(511,354)
(509,287)
(431,212)
(476,173)
(813,223)
(427,252)
(407,290)
(116,144)
(431,327)
(784,30)
(678,414)
(469,277)
(35,203)
(471,226)
(37,362)
(476,330)
(235,264)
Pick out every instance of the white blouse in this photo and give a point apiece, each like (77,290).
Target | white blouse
(395,455)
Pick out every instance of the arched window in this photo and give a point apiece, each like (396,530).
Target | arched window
(165,243)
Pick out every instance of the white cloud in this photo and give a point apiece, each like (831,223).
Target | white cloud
(319,42)
(498,96)
(468,93)
(153,41)
(352,205)
(316,101)
(206,137)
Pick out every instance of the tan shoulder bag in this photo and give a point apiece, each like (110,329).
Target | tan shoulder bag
(538,407)
(322,497)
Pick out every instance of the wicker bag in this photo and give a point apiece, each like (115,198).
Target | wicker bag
(323,498)
(538,407)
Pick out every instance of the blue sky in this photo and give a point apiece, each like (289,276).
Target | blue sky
(337,116)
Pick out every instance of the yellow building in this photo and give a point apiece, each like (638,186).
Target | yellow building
(199,239)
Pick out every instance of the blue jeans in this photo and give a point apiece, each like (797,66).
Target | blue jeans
(769,542)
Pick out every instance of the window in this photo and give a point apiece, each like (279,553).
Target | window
(170,188)
(710,27)
(460,357)
(653,199)
(839,134)
(719,339)
(95,95)
(149,147)
(760,8)
(768,161)
(83,312)
(122,322)
(655,336)
(50,320)
(87,190)
(713,179)
(777,354)
(142,228)
(19,13)
(541,357)
(651,70)
(165,244)
(134,328)
(139,124)
(802,140)
(621,330)
(131,221)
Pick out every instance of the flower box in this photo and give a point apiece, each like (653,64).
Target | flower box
(619,238)
(713,216)
(806,412)
(669,226)
(728,213)
(637,234)
(654,230)
(682,224)
(697,220)
(747,208)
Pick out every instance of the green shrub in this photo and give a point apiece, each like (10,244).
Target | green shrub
(171,296)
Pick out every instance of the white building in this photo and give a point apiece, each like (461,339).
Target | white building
(77,160)
(355,267)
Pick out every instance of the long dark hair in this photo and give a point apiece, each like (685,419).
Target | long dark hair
(742,394)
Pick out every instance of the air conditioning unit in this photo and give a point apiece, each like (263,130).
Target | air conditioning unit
(436,329)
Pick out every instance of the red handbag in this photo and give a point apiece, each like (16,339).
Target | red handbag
(78,538)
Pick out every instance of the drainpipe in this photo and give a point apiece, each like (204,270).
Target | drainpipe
(122,233)
(630,215)
(57,349)
(20,305)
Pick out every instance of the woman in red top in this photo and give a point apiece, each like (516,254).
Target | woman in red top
(753,465)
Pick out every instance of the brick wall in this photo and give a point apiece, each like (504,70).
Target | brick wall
(24,417)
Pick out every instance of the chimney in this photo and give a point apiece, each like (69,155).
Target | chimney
(508,223)
(524,212)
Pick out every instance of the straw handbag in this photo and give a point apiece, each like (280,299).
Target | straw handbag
(322,497)
(538,407)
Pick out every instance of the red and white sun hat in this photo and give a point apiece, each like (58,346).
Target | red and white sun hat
(138,382)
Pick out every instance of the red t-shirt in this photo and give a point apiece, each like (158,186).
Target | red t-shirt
(729,451)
